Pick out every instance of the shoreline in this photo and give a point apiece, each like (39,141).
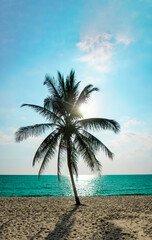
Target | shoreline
(99,217)
(40,196)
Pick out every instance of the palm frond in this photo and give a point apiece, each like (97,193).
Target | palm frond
(74,159)
(100,123)
(85,94)
(97,144)
(73,84)
(61,86)
(44,112)
(83,97)
(72,155)
(61,151)
(72,78)
(30,131)
(50,83)
(56,105)
(48,103)
(43,148)
(87,153)
(71,88)
(50,153)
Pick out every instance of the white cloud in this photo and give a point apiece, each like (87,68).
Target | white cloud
(133,122)
(92,43)
(99,49)
(133,140)
(106,28)
(132,148)
(5,139)
(120,38)
(132,153)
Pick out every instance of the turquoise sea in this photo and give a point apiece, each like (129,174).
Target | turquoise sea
(87,185)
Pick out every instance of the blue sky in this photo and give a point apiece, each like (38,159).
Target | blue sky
(108,44)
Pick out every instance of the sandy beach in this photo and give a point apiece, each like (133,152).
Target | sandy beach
(112,217)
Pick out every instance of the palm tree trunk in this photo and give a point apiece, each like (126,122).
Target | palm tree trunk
(71,175)
(74,188)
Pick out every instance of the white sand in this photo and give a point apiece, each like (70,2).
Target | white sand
(116,217)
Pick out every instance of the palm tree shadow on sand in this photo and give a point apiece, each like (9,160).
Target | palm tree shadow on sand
(63,226)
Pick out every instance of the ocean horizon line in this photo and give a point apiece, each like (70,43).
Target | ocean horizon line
(126,174)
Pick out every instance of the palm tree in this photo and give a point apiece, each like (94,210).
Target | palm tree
(68,128)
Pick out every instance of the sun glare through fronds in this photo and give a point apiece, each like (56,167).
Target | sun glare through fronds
(89,109)
(84,109)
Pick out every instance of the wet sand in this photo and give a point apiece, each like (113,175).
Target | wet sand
(112,217)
